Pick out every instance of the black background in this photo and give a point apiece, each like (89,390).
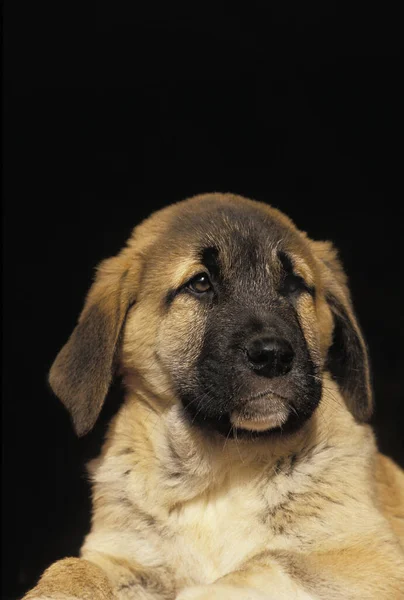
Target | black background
(116,109)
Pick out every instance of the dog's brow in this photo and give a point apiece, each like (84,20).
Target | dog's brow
(188,269)
(210,259)
(302,268)
(285,261)
(185,270)
(297,266)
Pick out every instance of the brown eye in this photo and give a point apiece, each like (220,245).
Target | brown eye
(291,284)
(200,284)
(294,284)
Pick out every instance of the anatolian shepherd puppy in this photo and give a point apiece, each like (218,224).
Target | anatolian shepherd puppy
(240,465)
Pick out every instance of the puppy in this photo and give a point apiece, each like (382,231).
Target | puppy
(240,465)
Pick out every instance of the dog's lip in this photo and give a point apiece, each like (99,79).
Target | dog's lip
(256,414)
(265,394)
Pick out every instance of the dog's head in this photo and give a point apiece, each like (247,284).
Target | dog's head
(221,304)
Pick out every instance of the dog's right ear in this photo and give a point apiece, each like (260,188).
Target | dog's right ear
(348,359)
(83,370)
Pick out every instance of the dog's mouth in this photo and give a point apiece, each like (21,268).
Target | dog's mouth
(261,412)
(265,414)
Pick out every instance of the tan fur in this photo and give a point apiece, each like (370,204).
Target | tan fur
(390,493)
(317,515)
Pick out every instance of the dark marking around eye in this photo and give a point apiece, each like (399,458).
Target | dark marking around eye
(210,259)
(286,262)
(169,297)
(292,283)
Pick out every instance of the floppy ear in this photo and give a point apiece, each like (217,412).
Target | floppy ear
(83,369)
(348,359)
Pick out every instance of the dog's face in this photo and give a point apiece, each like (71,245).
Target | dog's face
(229,338)
(221,304)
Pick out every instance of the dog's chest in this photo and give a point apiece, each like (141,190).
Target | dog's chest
(202,518)
(214,533)
(271,507)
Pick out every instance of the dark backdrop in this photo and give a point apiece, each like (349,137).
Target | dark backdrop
(114,110)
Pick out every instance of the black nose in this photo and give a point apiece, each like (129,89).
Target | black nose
(270,356)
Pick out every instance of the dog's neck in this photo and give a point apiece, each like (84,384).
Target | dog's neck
(166,412)
(184,461)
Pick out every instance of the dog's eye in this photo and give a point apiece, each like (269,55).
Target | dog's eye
(200,284)
(291,284)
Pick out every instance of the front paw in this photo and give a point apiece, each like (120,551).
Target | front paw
(220,591)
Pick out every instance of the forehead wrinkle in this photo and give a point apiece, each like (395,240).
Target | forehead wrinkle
(299,260)
(247,255)
(184,270)
(246,240)
(170,262)
(252,272)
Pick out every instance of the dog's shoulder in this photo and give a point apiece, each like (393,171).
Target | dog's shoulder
(389,479)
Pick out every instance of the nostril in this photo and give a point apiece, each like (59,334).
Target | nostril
(270,356)
(260,350)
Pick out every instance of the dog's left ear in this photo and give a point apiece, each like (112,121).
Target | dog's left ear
(348,359)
